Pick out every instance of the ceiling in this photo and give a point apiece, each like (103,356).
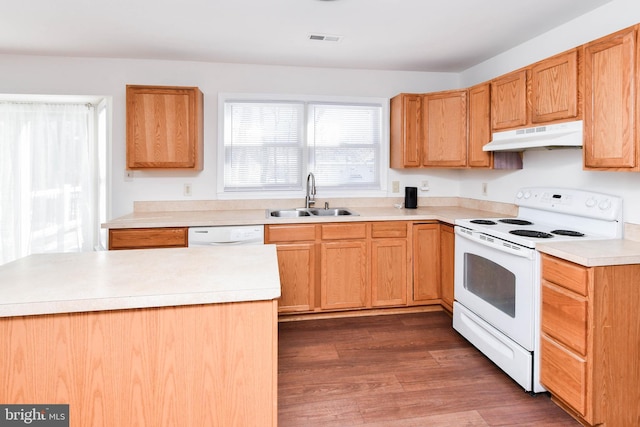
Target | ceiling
(409,35)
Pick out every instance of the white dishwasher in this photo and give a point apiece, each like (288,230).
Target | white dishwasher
(226,235)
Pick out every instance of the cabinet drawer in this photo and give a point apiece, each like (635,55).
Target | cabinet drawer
(565,316)
(564,374)
(290,233)
(343,231)
(142,238)
(565,274)
(388,229)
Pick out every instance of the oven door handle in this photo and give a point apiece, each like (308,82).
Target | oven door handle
(495,243)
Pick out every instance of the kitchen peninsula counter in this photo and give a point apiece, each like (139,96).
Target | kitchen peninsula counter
(144,337)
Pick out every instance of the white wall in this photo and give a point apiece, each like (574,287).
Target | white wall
(108,77)
(556,167)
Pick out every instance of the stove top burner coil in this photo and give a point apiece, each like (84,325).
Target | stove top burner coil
(515,221)
(531,233)
(483,222)
(568,233)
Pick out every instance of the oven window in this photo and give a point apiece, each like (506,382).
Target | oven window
(490,281)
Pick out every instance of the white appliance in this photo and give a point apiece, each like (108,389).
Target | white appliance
(226,235)
(497,271)
(560,135)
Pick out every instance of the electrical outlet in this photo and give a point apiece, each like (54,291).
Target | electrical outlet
(396,186)
(484,189)
(424,186)
(187,190)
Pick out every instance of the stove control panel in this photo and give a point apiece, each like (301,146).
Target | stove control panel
(572,202)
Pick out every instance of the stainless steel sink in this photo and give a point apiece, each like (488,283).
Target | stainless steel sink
(306,212)
(287,213)
(332,212)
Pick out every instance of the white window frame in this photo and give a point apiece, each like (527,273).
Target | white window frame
(383,166)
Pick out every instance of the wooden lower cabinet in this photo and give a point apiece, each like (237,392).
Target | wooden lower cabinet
(297,264)
(343,275)
(590,340)
(447,255)
(147,238)
(426,263)
(390,263)
(355,265)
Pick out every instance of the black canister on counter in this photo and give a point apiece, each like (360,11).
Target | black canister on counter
(411,197)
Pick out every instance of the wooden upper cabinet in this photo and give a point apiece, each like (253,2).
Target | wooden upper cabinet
(509,101)
(444,119)
(611,82)
(164,127)
(406,128)
(554,88)
(479,126)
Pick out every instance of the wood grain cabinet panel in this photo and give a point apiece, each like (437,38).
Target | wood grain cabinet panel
(509,101)
(164,127)
(147,238)
(611,84)
(445,129)
(589,345)
(406,131)
(389,264)
(343,275)
(297,264)
(479,126)
(426,263)
(554,88)
(196,365)
(447,256)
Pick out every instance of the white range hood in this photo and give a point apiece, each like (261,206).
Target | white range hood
(561,135)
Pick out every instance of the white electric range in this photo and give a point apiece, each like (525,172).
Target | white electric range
(497,271)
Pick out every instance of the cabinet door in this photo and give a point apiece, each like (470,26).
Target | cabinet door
(147,238)
(343,274)
(406,131)
(509,101)
(610,139)
(479,125)
(164,127)
(554,88)
(296,262)
(447,242)
(388,272)
(445,129)
(426,262)
(564,373)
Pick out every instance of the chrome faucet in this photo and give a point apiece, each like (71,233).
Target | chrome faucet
(309,199)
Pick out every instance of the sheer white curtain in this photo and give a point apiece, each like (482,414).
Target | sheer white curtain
(48,179)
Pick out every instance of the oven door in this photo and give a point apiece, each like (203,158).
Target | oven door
(496,280)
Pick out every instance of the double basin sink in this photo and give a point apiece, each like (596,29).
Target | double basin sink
(309,212)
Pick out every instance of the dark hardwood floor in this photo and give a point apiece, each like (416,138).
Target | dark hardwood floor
(410,370)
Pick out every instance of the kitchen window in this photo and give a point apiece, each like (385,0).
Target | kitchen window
(271,144)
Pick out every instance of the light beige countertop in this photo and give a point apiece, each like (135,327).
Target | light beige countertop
(593,253)
(113,280)
(197,218)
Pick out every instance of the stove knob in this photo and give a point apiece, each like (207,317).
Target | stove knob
(519,195)
(591,202)
(527,195)
(604,205)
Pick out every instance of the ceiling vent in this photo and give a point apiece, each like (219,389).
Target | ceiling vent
(325,37)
